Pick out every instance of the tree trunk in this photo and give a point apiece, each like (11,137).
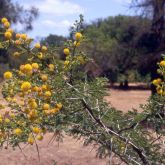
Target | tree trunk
(158,23)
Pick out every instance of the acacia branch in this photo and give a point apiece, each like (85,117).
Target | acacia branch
(110,131)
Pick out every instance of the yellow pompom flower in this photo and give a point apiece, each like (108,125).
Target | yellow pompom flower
(37,46)
(66,62)
(8,35)
(54,110)
(36,130)
(44,87)
(22,68)
(46,106)
(18,131)
(27,68)
(76,43)
(59,105)
(25,86)
(7,120)
(78,36)
(44,77)
(3,20)
(35,89)
(6,24)
(18,35)
(66,51)
(44,49)
(32,114)
(39,137)
(17,42)
(30,140)
(12,115)
(48,94)
(162,63)
(33,105)
(51,67)
(23,36)
(35,66)
(40,55)
(156,82)
(160,91)
(8,75)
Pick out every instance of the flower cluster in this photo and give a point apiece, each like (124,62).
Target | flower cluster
(160,82)
(33,91)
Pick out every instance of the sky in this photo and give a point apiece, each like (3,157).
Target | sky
(56,16)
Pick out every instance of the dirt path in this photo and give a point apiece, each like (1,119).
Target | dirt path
(71,152)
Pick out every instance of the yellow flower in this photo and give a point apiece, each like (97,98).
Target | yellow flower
(162,63)
(18,35)
(59,105)
(8,35)
(23,36)
(46,106)
(36,130)
(35,66)
(66,62)
(32,114)
(44,77)
(7,120)
(35,89)
(39,137)
(3,20)
(78,36)
(25,86)
(44,49)
(54,110)
(40,55)
(33,105)
(8,75)
(160,91)
(17,131)
(66,51)
(48,94)
(37,46)
(22,68)
(76,43)
(17,42)
(30,139)
(16,54)
(44,87)
(51,67)
(12,115)
(27,69)
(156,82)
(6,24)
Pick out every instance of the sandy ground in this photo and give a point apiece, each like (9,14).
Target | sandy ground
(127,100)
(71,152)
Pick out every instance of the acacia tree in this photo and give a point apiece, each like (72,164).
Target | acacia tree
(46,93)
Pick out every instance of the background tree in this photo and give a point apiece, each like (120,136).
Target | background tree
(112,43)
(54,40)
(17,14)
(153,40)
